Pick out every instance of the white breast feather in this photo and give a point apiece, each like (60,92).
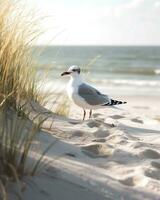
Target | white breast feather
(72,90)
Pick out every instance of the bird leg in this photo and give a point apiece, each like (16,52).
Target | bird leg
(90,113)
(84,115)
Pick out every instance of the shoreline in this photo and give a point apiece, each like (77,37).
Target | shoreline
(58,87)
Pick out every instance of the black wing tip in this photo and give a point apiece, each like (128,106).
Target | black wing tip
(114,102)
(120,102)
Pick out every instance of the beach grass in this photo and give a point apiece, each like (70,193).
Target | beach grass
(17,136)
(18,86)
(62,106)
(17,74)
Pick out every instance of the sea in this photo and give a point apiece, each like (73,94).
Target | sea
(105,66)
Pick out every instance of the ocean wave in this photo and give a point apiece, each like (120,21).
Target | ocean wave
(127,82)
(134,71)
(117,69)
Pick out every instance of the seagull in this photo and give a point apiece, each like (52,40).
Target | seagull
(84,95)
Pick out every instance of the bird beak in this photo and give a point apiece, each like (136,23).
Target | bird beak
(65,73)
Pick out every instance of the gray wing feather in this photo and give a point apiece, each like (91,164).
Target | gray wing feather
(92,96)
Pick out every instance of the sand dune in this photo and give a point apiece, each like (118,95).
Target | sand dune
(113,156)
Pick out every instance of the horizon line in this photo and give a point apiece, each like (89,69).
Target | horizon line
(105,45)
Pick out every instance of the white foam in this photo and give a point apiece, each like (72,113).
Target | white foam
(157,71)
(127,82)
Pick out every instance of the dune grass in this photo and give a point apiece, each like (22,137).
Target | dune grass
(18,30)
(18,86)
(17,137)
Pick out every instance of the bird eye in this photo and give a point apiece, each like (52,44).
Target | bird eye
(74,70)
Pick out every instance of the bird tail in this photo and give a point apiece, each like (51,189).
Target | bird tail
(114,102)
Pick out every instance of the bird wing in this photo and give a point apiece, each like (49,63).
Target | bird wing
(92,96)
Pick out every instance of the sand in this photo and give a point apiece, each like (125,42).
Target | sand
(113,156)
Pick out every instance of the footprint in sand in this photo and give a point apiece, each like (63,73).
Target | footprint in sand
(96,115)
(128,181)
(97,150)
(154,174)
(93,123)
(136,120)
(155,164)
(134,181)
(117,116)
(101,133)
(78,133)
(151,154)
(137,145)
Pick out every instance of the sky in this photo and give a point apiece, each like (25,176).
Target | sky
(99,22)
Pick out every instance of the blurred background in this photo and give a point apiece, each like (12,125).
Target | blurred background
(116,42)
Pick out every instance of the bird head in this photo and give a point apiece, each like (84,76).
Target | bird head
(73,71)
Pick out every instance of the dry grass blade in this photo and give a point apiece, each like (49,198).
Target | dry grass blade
(41,157)
(18,30)
(18,136)
(18,87)
(63,106)
(3,194)
(15,175)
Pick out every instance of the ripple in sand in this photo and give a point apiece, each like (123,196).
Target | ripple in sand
(97,150)
(70,154)
(74,122)
(99,140)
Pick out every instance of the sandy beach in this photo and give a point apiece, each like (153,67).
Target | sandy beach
(47,152)
(113,156)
